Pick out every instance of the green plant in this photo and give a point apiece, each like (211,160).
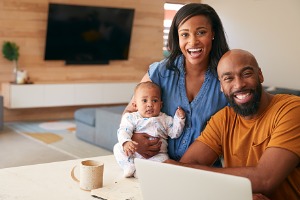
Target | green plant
(10,51)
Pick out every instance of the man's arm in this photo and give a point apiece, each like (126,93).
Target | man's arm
(273,167)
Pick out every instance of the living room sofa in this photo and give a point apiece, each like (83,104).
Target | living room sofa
(99,125)
(280,90)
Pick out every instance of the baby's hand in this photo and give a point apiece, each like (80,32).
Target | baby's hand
(180,113)
(130,147)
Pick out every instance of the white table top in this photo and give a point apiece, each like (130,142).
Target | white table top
(51,181)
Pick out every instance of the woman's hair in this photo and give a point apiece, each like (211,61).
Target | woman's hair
(219,44)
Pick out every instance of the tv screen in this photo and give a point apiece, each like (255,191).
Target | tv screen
(88,34)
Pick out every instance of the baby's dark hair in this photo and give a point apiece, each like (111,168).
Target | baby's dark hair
(148,84)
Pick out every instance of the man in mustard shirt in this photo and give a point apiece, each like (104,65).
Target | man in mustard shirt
(258,135)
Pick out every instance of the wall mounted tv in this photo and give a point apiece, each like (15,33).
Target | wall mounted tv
(88,34)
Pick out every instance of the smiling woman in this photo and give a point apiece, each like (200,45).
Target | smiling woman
(188,80)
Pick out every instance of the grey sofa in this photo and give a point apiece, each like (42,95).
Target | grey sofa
(99,125)
(280,90)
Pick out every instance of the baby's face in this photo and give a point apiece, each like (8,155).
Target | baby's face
(148,101)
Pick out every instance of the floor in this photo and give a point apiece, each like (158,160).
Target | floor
(17,148)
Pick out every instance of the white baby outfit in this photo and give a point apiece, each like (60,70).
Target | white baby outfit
(162,126)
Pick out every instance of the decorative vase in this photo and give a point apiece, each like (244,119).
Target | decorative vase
(15,70)
(21,77)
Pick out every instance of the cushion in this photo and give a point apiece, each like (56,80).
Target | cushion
(86,116)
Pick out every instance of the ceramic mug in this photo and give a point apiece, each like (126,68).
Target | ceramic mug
(91,174)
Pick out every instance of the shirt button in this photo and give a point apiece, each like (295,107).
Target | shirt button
(183,142)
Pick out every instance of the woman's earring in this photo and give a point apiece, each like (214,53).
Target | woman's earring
(213,38)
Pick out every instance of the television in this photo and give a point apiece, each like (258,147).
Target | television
(88,34)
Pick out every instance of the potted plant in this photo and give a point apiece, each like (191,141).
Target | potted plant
(10,51)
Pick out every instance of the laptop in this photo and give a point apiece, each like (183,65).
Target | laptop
(161,181)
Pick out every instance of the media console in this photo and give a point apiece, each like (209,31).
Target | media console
(66,94)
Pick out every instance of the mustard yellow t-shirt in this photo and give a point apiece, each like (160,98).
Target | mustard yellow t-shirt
(242,142)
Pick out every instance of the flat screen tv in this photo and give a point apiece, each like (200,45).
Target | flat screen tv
(88,34)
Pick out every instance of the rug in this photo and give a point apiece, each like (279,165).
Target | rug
(19,150)
(47,138)
(58,135)
(58,125)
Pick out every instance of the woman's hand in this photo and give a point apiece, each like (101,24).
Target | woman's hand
(148,146)
(259,197)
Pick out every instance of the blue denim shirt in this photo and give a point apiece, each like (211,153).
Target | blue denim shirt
(208,101)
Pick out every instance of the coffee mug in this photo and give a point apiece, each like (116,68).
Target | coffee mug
(91,174)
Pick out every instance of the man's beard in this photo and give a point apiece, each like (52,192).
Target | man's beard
(250,107)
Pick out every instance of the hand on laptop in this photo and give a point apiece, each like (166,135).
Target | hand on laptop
(147,145)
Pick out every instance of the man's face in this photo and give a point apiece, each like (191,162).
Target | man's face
(241,80)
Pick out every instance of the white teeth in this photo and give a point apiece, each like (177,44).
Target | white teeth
(193,50)
(242,96)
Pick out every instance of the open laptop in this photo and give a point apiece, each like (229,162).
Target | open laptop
(161,181)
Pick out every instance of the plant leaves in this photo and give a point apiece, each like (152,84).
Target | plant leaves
(10,51)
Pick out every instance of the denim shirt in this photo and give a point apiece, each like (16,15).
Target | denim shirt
(208,101)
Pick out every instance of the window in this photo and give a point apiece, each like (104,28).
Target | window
(170,11)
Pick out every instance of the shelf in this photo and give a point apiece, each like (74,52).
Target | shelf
(74,94)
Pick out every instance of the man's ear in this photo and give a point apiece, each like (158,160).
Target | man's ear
(260,76)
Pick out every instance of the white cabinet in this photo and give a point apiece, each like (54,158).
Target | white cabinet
(105,93)
(26,96)
(54,95)
(59,95)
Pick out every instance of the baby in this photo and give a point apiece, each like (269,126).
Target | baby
(148,119)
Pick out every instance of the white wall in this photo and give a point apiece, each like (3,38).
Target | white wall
(269,29)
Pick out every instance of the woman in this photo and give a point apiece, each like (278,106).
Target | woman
(188,76)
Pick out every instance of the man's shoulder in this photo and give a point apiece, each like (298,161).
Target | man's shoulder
(286,99)
(285,105)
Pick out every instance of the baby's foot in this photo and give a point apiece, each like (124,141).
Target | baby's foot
(129,172)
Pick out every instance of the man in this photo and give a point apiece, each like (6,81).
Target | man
(258,135)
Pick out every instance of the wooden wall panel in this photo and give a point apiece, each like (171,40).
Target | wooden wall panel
(25,22)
